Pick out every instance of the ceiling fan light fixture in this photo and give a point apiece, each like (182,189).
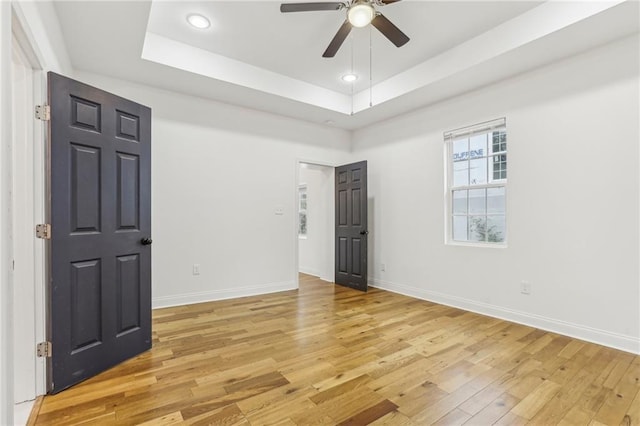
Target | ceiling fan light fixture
(198,21)
(349,78)
(360,14)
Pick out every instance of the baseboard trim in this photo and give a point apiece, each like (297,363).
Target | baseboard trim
(309,271)
(222,294)
(602,337)
(35,410)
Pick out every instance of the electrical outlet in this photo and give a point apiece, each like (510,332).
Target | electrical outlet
(196,269)
(525,287)
(383,267)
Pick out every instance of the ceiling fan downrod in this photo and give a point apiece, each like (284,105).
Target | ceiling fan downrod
(360,13)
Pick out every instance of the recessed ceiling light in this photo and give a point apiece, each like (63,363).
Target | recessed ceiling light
(349,78)
(198,21)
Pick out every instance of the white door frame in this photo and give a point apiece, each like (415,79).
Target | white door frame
(29,206)
(331,238)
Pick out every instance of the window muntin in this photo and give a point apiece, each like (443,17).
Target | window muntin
(302,211)
(477,177)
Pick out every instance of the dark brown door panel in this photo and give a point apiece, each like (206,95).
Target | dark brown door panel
(100,181)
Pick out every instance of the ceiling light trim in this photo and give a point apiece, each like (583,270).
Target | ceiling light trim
(349,77)
(198,21)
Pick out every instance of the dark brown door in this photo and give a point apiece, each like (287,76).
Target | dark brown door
(351,225)
(100,183)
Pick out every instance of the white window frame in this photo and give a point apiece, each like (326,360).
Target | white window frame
(303,188)
(449,137)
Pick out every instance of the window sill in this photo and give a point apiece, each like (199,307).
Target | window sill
(471,244)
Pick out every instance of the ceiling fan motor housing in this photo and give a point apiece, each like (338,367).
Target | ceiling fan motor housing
(360,13)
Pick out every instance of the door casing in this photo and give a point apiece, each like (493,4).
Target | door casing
(28,172)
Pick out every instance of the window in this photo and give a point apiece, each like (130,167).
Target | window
(302,210)
(477,183)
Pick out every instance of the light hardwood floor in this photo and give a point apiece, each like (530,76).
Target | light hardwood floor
(329,355)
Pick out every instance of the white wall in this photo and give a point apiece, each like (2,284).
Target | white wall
(316,250)
(573,194)
(218,174)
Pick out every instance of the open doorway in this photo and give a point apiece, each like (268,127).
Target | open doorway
(315,225)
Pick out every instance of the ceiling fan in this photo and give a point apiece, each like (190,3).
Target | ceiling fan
(360,13)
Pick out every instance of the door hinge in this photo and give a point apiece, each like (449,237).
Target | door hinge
(43,231)
(43,112)
(44,350)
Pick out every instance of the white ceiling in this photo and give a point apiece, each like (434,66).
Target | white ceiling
(257,57)
(292,44)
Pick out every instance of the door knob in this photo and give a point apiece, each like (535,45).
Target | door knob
(365,232)
(146,241)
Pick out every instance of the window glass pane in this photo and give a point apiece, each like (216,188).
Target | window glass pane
(460,149)
(478,171)
(302,224)
(477,201)
(495,200)
(498,166)
(477,228)
(478,146)
(496,229)
(499,141)
(460,228)
(461,173)
(302,192)
(460,202)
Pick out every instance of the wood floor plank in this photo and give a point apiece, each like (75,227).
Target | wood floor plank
(174,418)
(532,403)
(488,395)
(511,419)
(442,407)
(575,416)
(454,417)
(229,415)
(371,414)
(394,418)
(633,413)
(495,410)
(554,411)
(618,401)
(326,355)
(412,401)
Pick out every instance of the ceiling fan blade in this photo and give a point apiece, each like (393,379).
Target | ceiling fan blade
(389,1)
(310,7)
(389,30)
(337,41)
